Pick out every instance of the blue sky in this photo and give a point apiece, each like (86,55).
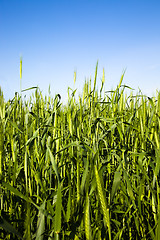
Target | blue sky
(56,38)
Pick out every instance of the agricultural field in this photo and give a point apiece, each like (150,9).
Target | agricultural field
(88,169)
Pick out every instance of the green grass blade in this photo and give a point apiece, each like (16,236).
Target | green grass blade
(16,192)
(105,209)
(57,225)
(68,213)
(116,183)
(87,219)
(9,228)
(41,223)
(54,165)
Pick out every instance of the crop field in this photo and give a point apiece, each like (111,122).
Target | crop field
(88,169)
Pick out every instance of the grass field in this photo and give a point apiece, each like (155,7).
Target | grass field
(88,169)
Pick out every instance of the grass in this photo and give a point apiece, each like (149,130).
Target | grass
(88,169)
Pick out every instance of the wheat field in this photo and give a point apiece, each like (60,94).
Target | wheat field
(88,169)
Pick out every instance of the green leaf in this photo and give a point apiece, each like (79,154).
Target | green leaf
(87,219)
(16,192)
(19,194)
(8,227)
(57,227)
(116,182)
(68,206)
(31,88)
(84,176)
(41,223)
(129,189)
(54,165)
(102,199)
(15,126)
(33,137)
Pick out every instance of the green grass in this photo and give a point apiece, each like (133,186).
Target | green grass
(88,169)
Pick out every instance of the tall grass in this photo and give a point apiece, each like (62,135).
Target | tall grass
(88,169)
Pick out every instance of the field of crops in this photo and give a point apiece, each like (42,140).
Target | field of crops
(88,169)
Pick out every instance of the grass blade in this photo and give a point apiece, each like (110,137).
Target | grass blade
(41,223)
(105,209)
(57,227)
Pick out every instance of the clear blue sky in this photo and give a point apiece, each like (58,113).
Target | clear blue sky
(56,38)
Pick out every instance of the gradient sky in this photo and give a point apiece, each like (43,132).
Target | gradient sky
(56,38)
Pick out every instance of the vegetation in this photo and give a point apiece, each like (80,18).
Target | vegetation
(88,169)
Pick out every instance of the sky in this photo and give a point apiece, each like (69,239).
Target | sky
(57,38)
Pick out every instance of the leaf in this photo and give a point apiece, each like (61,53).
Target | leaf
(116,182)
(129,189)
(105,209)
(41,223)
(15,126)
(54,165)
(29,89)
(87,219)
(33,137)
(57,227)
(75,144)
(93,185)
(8,227)
(19,194)
(84,176)
(16,192)
(68,206)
